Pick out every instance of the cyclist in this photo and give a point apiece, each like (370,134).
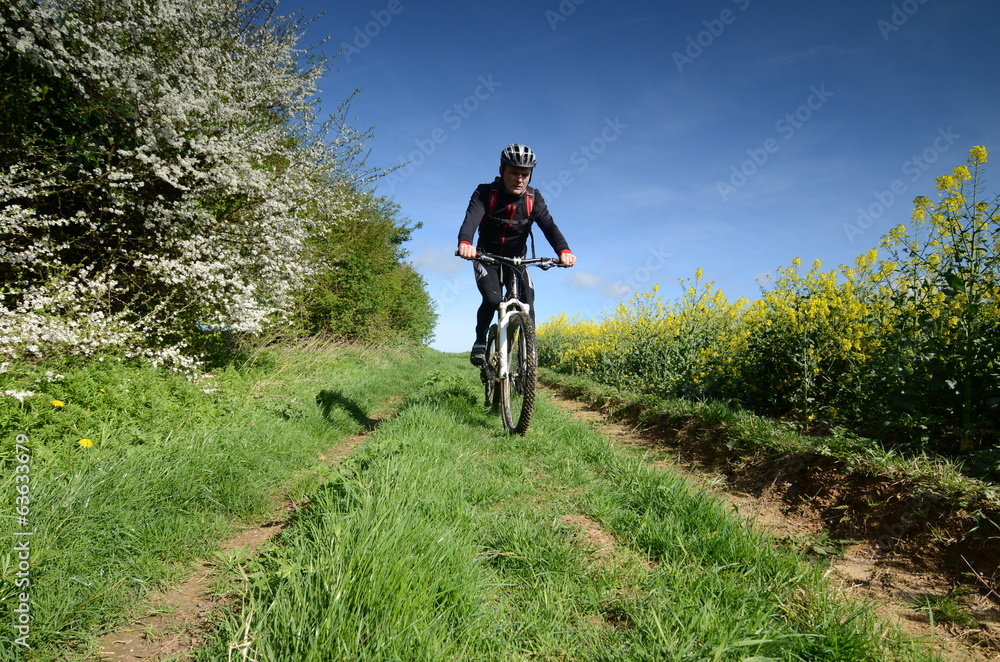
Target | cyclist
(504,211)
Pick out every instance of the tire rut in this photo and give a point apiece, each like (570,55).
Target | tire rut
(892,584)
(179,619)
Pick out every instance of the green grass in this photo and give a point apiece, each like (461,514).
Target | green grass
(174,469)
(944,609)
(444,538)
(747,437)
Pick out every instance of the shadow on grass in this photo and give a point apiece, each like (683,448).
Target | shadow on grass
(328,400)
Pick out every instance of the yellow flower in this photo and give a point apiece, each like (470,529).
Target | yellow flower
(899,232)
(57,403)
(945,182)
(86,443)
(977,155)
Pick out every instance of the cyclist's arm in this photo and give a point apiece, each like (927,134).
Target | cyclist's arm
(473,217)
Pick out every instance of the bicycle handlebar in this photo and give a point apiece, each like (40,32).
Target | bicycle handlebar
(542,262)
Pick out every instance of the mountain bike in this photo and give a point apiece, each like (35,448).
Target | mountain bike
(510,372)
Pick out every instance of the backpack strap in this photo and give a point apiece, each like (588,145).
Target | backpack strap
(494,195)
(529,205)
(529,201)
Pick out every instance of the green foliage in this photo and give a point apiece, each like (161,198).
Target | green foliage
(363,289)
(945,290)
(944,609)
(904,349)
(136,472)
(165,179)
(441,538)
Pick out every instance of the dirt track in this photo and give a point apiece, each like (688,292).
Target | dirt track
(795,503)
(791,503)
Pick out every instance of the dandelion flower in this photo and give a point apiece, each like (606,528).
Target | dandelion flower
(86,443)
(57,403)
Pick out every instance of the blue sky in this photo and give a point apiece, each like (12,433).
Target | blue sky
(732,135)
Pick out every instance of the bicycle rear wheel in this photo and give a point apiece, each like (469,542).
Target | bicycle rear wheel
(517,391)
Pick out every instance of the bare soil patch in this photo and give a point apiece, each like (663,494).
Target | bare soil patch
(178,617)
(590,536)
(893,550)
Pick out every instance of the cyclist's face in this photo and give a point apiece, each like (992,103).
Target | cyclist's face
(515,179)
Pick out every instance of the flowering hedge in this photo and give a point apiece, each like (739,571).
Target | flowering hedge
(161,169)
(904,347)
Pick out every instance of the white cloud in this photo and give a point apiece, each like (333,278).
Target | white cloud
(616,290)
(584,280)
(439,260)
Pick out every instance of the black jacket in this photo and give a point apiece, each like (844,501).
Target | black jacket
(503,229)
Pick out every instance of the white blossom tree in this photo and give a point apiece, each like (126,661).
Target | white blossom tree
(160,171)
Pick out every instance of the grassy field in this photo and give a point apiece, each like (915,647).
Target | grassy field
(172,468)
(445,538)
(441,538)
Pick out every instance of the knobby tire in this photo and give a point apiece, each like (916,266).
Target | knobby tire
(517,391)
(490,367)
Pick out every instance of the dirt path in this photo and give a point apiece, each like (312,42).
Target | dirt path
(179,618)
(893,584)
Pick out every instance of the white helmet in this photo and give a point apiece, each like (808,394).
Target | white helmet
(517,155)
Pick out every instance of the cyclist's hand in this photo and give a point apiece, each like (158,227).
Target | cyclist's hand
(467,251)
(567,259)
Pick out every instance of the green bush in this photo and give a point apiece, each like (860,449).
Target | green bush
(363,289)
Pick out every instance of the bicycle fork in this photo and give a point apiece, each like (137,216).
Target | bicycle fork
(505,315)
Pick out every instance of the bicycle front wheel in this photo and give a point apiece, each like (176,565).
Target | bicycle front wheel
(517,391)
(488,373)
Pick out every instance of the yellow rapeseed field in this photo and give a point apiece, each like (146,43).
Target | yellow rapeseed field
(903,344)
